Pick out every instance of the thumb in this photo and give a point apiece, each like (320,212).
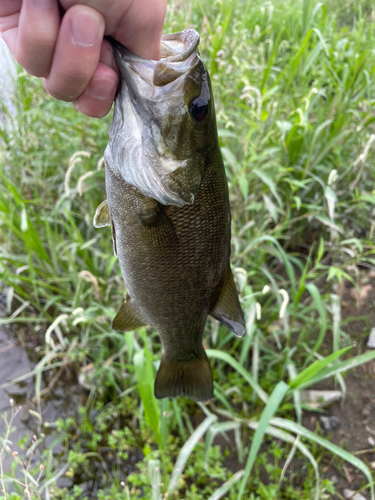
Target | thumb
(141,28)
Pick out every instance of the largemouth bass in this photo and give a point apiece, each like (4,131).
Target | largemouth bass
(168,206)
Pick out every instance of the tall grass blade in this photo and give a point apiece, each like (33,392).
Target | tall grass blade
(164,419)
(311,371)
(305,14)
(315,294)
(224,356)
(227,486)
(186,451)
(285,436)
(154,473)
(342,366)
(336,450)
(145,379)
(219,428)
(268,412)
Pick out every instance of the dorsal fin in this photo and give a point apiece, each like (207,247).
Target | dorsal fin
(102,216)
(227,308)
(127,318)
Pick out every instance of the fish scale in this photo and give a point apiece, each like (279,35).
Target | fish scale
(174,246)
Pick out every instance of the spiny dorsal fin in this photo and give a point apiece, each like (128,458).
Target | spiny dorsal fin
(127,318)
(102,216)
(227,308)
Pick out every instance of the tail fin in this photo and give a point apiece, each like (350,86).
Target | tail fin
(191,378)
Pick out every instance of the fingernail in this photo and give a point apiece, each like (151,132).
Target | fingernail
(76,105)
(44,4)
(85,30)
(102,89)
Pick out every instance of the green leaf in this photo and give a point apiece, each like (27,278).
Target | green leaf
(336,450)
(340,367)
(223,132)
(218,428)
(311,371)
(271,207)
(315,294)
(244,186)
(155,480)
(224,356)
(268,412)
(294,142)
(269,182)
(186,451)
(285,436)
(145,378)
(224,488)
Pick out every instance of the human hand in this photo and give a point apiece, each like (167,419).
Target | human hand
(68,51)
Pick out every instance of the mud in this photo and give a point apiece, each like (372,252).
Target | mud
(14,363)
(19,406)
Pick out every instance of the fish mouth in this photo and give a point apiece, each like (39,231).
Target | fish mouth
(179,53)
(179,46)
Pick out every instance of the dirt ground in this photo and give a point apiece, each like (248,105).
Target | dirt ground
(355,415)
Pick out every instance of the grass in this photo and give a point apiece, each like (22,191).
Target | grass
(294,90)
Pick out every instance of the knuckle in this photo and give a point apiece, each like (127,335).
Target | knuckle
(58,93)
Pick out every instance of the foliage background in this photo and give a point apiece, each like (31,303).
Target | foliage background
(294,92)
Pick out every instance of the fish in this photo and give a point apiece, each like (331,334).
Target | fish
(168,208)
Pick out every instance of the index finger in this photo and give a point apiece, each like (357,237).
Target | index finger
(9,18)
(38,29)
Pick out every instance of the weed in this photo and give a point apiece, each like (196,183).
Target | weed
(294,91)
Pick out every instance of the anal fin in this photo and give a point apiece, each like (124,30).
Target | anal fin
(227,308)
(127,318)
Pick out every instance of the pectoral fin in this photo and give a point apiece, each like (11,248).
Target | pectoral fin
(157,228)
(227,308)
(127,318)
(102,216)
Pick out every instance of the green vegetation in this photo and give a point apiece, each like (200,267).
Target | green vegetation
(294,86)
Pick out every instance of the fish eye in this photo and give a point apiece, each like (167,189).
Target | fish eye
(199,109)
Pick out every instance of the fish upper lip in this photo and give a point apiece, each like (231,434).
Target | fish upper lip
(188,39)
(179,54)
